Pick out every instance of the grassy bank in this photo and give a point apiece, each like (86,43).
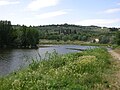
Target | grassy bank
(55,42)
(86,70)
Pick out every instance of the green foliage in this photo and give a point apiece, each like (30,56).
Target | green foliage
(76,32)
(118,38)
(5,33)
(30,36)
(66,38)
(104,39)
(77,71)
(17,37)
(74,37)
(23,36)
(34,65)
(84,38)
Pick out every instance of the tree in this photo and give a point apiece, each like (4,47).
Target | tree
(6,30)
(84,38)
(65,38)
(113,29)
(17,37)
(74,37)
(104,39)
(30,37)
(118,38)
(25,37)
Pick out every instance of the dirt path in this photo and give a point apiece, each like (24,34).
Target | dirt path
(114,54)
(115,78)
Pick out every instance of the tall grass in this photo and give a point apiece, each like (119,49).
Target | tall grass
(77,71)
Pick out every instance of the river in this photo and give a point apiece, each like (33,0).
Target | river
(14,59)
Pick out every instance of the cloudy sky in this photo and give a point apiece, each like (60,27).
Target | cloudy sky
(43,12)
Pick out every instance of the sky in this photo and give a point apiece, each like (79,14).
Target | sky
(43,12)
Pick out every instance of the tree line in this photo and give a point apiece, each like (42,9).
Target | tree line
(17,36)
(67,32)
(23,37)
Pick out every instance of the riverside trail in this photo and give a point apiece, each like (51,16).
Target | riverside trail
(114,54)
(115,80)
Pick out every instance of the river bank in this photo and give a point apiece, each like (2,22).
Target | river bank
(87,70)
(15,59)
(55,42)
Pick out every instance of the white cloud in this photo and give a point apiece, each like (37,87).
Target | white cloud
(98,22)
(38,4)
(118,4)
(113,10)
(51,14)
(6,2)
